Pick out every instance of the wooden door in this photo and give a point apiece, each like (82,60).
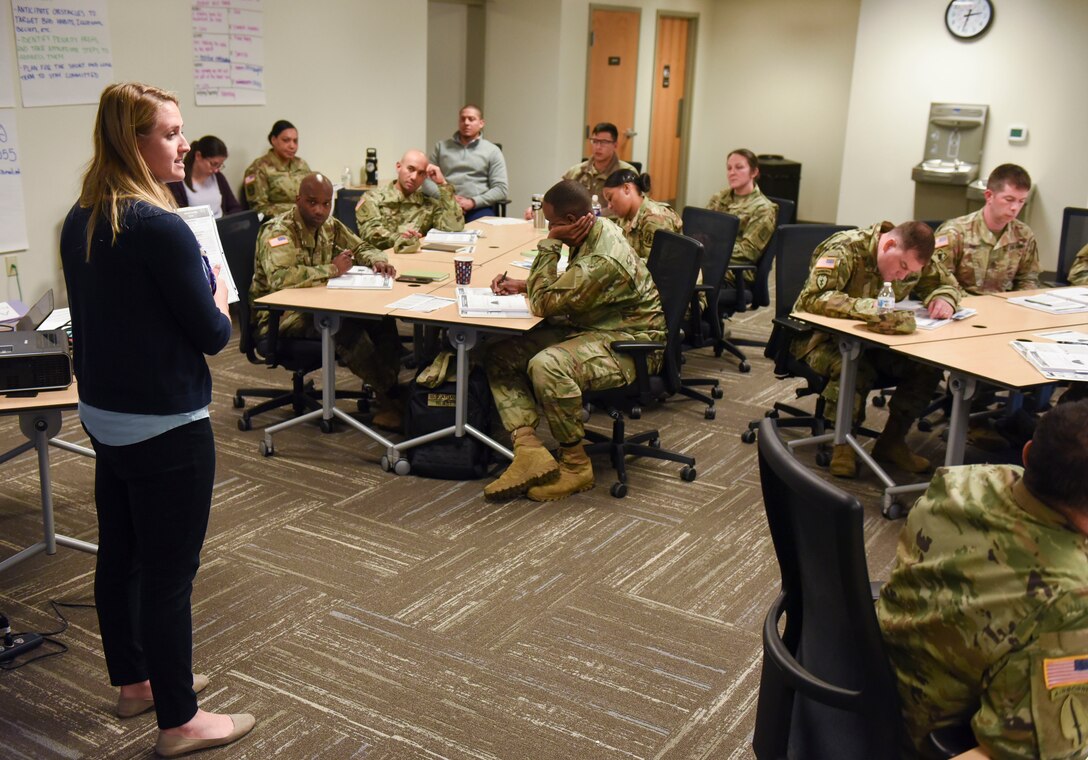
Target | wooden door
(611,75)
(670,107)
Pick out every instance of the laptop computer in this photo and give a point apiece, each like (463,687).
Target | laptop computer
(37,313)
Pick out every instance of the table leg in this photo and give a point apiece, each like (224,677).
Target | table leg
(963,390)
(328,324)
(39,427)
(463,339)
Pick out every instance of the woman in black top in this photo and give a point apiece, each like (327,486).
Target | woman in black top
(146,308)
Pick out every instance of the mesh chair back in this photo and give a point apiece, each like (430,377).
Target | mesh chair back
(674,263)
(787,210)
(1074,237)
(845,703)
(238,234)
(794,244)
(717,232)
(344,207)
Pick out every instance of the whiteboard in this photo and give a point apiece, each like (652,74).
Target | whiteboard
(228,52)
(12,211)
(63,48)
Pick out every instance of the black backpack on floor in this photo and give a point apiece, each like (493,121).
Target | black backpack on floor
(432,409)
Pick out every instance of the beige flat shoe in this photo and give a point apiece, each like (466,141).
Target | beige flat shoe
(176,746)
(129,707)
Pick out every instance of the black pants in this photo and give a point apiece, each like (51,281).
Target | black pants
(153,500)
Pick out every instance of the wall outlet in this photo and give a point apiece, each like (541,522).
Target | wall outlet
(11,265)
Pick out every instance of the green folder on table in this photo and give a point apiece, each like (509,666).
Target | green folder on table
(416,275)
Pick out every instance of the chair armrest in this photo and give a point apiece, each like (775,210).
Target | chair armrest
(954,740)
(742,267)
(741,285)
(640,352)
(273,338)
(793,325)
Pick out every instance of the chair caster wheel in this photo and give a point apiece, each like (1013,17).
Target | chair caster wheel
(925,426)
(688,473)
(618,490)
(748,436)
(716,392)
(879,401)
(402,467)
(823,458)
(244,424)
(636,413)
(745,367)
(894,511)
(386,465)
(772,414)
(710,413)
(325,425)
(265,448)
(238,402)
(654,443)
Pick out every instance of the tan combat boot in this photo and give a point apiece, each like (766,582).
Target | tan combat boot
(532,464)
(390,414)
(575,476)
(891,447)
(844,461)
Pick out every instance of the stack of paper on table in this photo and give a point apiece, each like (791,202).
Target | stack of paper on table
(456,242)
(923,321)
(361,278)
(481,302)
(1060,301)
(1056,361)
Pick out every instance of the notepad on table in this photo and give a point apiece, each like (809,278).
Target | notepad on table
(481,302)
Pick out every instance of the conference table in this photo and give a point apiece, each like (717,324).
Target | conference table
(494,252)
(40,420)
(972,350)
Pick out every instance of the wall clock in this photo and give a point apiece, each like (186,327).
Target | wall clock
(968,19)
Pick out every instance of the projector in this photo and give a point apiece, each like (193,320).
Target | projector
(32,360)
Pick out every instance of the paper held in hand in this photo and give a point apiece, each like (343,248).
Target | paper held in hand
(481,302)
(202,223)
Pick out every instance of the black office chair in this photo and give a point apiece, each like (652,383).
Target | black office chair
(791,250)
(347,198)
(748,296)
(827,688)
(1074,237)
(717,232)
(674,264)
(238,233)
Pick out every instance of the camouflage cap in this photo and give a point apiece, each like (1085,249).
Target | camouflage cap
(898,322)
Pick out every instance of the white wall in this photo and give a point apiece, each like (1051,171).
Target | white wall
(1030,67)
(349,75)
(447,30)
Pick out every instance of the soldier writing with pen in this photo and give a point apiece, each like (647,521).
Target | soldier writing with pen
(605,295)
(304,248)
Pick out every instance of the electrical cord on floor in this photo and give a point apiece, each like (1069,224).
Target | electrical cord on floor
(61,648)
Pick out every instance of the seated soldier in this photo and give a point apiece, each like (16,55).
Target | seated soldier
(303,248)
(399,214)
(990,250)
(985,615)
(743,199)
(848,271)
(638,215)
(605,295)
(1078,273)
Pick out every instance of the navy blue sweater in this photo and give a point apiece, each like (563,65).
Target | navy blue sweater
(143,316)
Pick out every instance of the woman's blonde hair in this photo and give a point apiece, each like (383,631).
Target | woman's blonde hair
(118,175)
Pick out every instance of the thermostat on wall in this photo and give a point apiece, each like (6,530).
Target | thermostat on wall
(1018,133)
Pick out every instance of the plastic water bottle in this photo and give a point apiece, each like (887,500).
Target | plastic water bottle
(885,299)
(345,177)
(596,206)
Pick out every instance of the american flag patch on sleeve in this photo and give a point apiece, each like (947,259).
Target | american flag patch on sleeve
(827,262)
(1065,671)
(277,241)
(941,241)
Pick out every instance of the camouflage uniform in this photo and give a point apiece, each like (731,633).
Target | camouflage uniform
(651,217)
(758,216)
(844,282)
(990,582)
(383,214)
(984,263)
(290,256)
(586,175)
(605,295)
(1078,273)
(271,183)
